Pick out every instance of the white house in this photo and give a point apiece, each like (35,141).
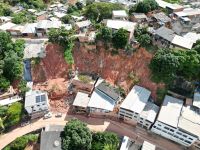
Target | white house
(126,25)
(36,103)
(119,14)
(177,122)
(136,107)
(103,99)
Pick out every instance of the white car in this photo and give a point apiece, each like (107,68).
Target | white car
(48,115)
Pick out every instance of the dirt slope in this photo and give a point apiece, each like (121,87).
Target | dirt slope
(116,68)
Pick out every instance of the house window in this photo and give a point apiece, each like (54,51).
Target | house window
(190,138)
(187,142)
(166,128)
(179,133)
(172,130)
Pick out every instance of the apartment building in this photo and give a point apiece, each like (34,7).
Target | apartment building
(138,108)
(177,122)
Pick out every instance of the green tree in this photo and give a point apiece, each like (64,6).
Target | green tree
(4,83)
(99,11)
(120,38)
(60,36)
(104,34)
(165,64)
(13,114)
(105,141)
(66,19)
(79,5)
(5,42)
(21,142)
(13,66)
(71,9)
(5,10)
(144,7)
(76,136)
(144,40)
(196,46)
(19,18)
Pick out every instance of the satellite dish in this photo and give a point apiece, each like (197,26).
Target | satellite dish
(56,143)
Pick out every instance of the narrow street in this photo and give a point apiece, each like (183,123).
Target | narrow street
(94,124)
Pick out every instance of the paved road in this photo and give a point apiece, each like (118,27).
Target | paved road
(95,125)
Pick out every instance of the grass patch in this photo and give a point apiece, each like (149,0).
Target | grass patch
(21,142)
(85,78)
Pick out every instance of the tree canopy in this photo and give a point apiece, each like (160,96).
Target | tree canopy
(120,38)
(11,54)
(105,141)
(104,34)
(144,6)
(98,11)
(170,63)
(5,10)
(13,114)
(76,135)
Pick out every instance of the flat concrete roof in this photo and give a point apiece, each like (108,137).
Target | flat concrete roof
(136,99)
(170,111)
(119,13)
(150,111)
(117,24)
(81,100)
(190,121)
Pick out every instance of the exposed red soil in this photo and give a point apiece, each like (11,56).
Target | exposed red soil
(51,74)
(116,68)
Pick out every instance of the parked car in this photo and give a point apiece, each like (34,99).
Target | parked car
(58,115)
(25,123)
(48,115)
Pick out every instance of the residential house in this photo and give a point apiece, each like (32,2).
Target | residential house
(196,27)
(6,26)
(33,11)
(16,30)
(160,19)
(137,107)
(191,13)
(34,49)
(50,138)
(165,37)
(4,19)
(138,17)
(129,144)
(181,42)
(81,102)
(119,15)
(36,103)
(103,99)
(44,25)
(177,122)
(126,25)
(194,37)
(42,15)
(29,30)
(83,26)
(59,14)
(170,7)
